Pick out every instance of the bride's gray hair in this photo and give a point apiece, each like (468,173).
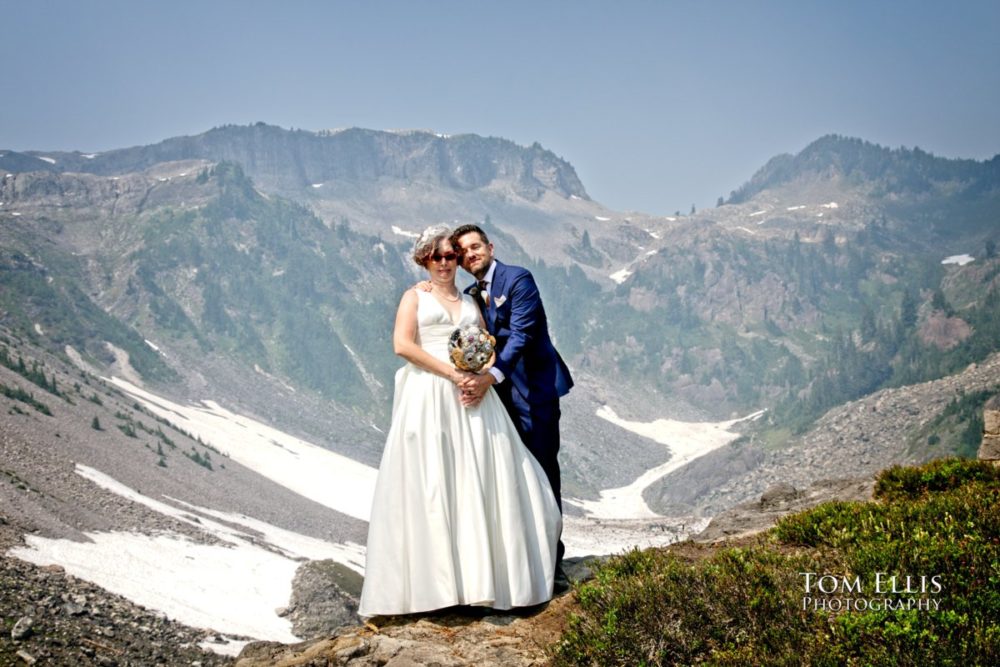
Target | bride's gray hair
(428,242)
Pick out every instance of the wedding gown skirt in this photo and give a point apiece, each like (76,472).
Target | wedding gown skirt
(462,514)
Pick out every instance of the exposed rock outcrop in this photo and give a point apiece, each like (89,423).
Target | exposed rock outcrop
(451,638)
(989,450)
(325,598)
(455,636)
(293,160)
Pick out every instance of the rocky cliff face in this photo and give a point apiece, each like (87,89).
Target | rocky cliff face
(294,160)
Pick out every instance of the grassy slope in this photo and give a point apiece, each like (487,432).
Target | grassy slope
(744,604)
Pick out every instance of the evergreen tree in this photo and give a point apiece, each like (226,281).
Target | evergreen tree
(938,301)
(908,310)
(868,325)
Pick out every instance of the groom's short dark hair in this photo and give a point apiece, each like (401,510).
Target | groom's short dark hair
(465,229)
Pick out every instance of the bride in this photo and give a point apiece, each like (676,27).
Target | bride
(462,512)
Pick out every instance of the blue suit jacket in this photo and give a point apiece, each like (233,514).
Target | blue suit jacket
(525,354)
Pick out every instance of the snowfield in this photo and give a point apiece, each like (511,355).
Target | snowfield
(313,472)
(235,579)
(234,587)
(686,441)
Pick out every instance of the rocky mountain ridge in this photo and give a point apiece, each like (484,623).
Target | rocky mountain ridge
(820,298)
(294,160)
(886,171)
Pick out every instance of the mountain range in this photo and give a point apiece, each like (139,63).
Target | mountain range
(258,269)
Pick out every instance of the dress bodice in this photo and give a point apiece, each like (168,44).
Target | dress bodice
(434,323)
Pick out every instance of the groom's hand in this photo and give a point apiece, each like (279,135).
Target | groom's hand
(474,388)
(424,286)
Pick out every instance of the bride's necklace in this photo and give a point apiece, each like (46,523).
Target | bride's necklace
(448,298)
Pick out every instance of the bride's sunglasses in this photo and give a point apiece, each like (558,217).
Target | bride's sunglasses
(447,257)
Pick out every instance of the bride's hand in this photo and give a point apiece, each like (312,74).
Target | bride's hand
(459,377)
(424,286)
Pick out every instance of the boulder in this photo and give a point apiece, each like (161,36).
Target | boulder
(325,596)
(989,449)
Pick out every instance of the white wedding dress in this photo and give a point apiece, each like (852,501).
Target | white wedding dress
(462,514)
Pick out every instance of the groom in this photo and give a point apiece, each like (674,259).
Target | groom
(529,375)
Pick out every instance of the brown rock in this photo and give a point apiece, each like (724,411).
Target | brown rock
(324,598)
(777,495)
(991,422)
(989,450)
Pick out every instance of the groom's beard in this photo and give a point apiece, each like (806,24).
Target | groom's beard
(477,275)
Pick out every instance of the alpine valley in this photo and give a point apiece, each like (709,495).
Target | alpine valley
(196,365)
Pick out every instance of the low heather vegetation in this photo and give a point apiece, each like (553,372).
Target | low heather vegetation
(910,578)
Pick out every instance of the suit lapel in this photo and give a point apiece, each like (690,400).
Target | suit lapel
(497,288)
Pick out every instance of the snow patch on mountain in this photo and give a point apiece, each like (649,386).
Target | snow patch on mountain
(399,231)
(311,471)
(235,587)
(686,441)
(620,276)
(960,260)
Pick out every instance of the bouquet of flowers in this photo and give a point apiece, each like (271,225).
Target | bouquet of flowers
(470,348)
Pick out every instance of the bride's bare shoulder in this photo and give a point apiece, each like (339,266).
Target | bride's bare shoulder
(409,298)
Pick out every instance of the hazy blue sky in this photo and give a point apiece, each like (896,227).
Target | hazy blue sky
(658,105)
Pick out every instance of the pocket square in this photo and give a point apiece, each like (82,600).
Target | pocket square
(501,300)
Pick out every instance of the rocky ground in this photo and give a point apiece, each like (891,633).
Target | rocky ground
(48,617)
(856,440)
(449,637)
(52,618)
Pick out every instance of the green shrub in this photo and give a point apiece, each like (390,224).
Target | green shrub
(742,606)
(938,523)
(939,475)
(19,394)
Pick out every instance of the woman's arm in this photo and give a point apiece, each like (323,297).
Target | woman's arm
(404,341)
